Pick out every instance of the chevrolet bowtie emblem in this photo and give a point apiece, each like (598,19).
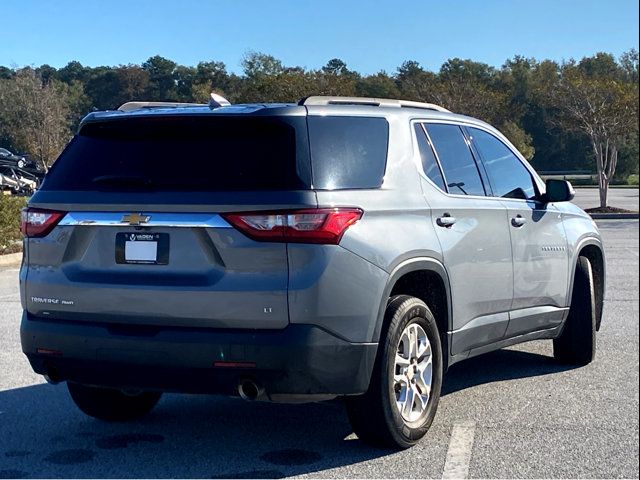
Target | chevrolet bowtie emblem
(136,218)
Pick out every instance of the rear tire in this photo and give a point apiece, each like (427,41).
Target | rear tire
(576,344)
(110,404)
(380,416)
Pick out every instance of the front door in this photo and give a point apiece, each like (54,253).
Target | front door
(538,240)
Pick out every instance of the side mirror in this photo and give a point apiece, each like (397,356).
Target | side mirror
(558,191)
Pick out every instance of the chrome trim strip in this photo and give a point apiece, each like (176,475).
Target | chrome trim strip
(534,311)
(114,219)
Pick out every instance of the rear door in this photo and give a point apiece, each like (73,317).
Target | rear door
(538,239)
(143,238)
(473,233)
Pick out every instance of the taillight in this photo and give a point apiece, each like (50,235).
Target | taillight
(37,222)
(318,225)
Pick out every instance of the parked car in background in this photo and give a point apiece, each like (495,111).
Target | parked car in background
(8,156)
(22,161)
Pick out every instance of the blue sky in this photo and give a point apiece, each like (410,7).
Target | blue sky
(368,35)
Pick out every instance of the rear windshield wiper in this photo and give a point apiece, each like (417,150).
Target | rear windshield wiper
(123,181)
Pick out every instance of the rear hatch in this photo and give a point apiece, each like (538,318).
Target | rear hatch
(142,238)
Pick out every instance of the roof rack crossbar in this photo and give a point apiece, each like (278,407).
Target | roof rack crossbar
(130,106)
(376,102)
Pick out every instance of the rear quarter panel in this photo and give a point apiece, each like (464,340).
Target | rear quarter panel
(395,228)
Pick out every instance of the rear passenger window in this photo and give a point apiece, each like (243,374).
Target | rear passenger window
(509,177)
(429,162)
(348,152)
(459,167)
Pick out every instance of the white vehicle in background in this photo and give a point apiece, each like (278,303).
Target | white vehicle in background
(16,181)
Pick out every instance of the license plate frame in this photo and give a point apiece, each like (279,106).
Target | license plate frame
(137,248)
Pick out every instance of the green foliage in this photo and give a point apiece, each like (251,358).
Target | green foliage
(518,97)
(36,113)
(10,207)
(162,82)
(379,85)
(632,180)
(257,64)
(520,139)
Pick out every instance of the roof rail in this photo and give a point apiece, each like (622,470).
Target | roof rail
(374,102)
(130,106)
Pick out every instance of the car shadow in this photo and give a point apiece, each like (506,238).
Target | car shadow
(498,366)
(42,434)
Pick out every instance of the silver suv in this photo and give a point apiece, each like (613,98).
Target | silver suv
(340,247)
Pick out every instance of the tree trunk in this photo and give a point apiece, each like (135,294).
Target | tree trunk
(606,153)
(603,186)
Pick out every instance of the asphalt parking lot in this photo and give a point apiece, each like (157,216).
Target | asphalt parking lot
(514,413)
(618,197)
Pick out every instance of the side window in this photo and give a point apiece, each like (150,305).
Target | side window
(348,152)
(429,162)
(509,177)
(458,165)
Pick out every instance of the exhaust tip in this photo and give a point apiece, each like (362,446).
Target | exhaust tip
(52,376)
(249,391)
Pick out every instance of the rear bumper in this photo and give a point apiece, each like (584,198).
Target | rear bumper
(297,360)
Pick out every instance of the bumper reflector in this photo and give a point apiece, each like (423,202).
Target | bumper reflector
(234,364)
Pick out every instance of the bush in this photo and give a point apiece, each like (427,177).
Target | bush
(10,236)
(632,180)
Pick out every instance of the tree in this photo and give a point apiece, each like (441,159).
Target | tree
(103,87)
(162,85)
(526,99)
(334,78)
(335,66)
(184,78)
(415,83)
(133,82)
(602,108)
(379,85)
(35,115)
(73,71)
(212,77)
(46,73)
(520,139)
(5,73)
(470,88)
(255,64)
(629,64)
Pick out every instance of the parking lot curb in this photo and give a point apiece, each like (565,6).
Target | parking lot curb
(615,216)
(11,260)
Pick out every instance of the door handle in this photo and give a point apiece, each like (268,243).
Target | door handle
(445,221)
(518,221)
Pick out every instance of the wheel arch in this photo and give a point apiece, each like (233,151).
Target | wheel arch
(426,279)
(591,248)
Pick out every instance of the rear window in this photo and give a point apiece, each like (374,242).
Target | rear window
(182,154)
(348,152)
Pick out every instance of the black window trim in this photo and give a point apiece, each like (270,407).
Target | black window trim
(482,169)
(534,180)
(435,155)
(485,185)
